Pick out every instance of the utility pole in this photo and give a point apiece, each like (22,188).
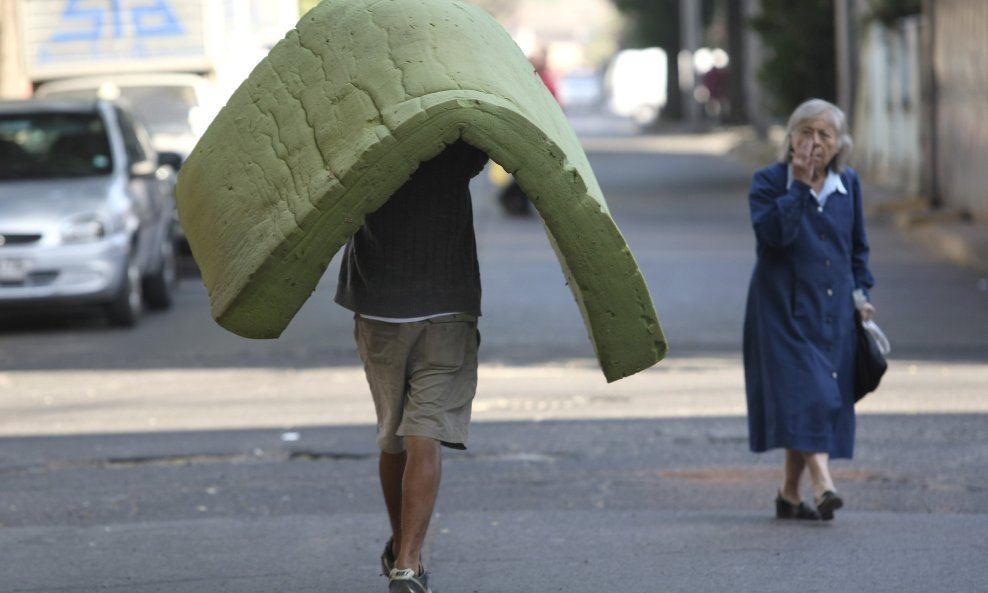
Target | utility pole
(754,101)
(929,177)
(736,30)
(689,33)
(846,16)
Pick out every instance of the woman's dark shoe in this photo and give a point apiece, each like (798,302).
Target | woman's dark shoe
(829,502)
(787,510)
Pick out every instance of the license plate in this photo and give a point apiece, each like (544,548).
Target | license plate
(12,270)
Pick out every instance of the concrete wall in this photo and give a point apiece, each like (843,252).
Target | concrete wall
(888,115)
(921,107)
(960,63)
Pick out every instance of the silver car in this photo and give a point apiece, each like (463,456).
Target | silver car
(175,107)
(87,211)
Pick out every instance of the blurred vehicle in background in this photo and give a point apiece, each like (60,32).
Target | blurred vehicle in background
(711,66)
(87,210)
(219,41)
(175,107)
(581,90)
(635,84)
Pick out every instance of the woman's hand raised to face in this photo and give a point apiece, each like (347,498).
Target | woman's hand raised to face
(803,168)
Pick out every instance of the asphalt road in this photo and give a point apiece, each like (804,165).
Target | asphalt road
(177,457)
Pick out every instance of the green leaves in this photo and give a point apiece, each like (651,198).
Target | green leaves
(799,51)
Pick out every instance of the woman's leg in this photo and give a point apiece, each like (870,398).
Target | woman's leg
(818,464)
(824,493)
(795,463)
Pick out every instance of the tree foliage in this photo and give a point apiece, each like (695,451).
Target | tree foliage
(888,12)
(799,46)
(652,23)
(656,22)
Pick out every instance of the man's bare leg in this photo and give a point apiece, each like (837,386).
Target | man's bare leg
(420,487)
(391,467)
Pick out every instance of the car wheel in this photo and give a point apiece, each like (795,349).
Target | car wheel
(126,307)
(160,285)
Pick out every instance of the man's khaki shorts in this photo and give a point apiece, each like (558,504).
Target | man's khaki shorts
(422,376)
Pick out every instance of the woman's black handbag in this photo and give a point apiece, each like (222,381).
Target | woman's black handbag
(870,363)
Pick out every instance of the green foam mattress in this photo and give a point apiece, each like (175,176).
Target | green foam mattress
(338,116)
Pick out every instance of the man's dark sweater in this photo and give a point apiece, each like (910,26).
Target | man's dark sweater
(417,255)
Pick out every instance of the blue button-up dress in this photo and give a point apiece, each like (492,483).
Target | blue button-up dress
(799,335)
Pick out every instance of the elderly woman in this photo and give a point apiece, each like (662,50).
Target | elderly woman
(799,334)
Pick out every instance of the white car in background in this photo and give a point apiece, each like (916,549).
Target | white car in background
(176,107)
(635,83)
(87,210)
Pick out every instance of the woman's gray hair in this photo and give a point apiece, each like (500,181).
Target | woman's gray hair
(825,110)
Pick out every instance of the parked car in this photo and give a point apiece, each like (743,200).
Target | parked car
(87,209)
(176,107)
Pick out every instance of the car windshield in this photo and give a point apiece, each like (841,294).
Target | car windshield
(47,145)
(163,109)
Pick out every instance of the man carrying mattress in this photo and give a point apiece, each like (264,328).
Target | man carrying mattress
(336,138)
(410,275)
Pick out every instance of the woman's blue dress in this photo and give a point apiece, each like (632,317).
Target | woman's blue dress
(799,335)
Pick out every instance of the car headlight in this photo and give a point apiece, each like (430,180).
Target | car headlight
(84,229)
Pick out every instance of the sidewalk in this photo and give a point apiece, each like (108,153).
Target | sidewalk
(947,233)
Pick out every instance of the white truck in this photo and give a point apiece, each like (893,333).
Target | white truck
(218,39)
(174,61)
(635,83)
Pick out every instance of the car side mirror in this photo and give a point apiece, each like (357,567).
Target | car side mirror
(172,159)
(143,168)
